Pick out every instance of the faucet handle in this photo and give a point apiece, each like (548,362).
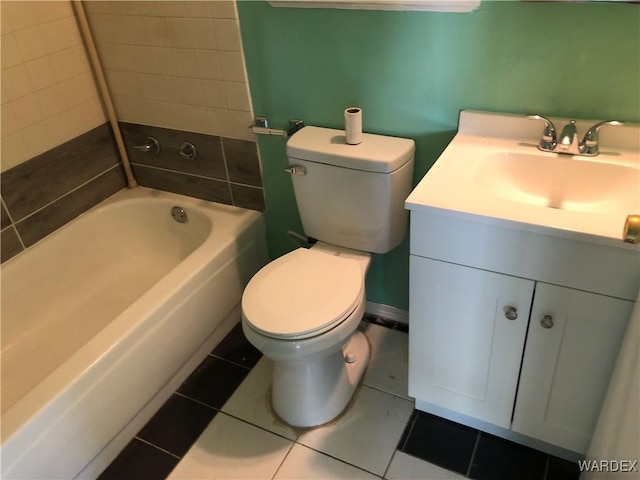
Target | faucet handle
(590,141)
(548,141)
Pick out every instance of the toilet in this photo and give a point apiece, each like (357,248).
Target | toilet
(302,310)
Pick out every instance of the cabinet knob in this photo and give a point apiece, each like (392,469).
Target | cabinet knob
(510,313)
(547,321)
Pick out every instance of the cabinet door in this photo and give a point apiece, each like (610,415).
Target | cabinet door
(464,353)
(567,366)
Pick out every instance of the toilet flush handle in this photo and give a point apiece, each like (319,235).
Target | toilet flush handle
(296,170)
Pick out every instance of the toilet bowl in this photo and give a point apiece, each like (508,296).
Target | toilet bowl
(302,311)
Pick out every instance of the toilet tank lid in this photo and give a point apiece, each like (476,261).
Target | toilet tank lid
(376,153)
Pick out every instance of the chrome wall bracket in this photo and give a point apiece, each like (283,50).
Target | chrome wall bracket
(262,126)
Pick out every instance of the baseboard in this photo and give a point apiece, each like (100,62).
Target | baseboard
(387,312)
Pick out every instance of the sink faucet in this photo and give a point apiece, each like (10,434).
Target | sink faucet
(568,142)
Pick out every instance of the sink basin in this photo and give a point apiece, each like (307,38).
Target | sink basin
(558,181)
(493,173)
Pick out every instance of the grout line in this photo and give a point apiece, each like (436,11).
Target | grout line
(157,447)
(275,474)
(224,161)
(396,395)
(546,467)
(196,401)
(262,428)
(340,460)
(473,454)
(230,361)
(410,424)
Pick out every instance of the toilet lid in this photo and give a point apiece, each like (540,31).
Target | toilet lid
(302,294)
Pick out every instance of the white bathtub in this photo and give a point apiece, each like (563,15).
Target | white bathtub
(103,319)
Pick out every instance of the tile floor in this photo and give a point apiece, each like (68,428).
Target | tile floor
(219,425)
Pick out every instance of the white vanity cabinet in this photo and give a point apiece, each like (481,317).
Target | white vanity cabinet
(493,339)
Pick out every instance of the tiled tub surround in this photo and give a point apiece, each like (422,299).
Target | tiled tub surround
(225,170)
(48,92)
(175,64)
(44,193)
(224,408)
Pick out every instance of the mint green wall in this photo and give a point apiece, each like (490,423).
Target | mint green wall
(411,72)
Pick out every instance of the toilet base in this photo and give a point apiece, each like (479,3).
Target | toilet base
(307,394)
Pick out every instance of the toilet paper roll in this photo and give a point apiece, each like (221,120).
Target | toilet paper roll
(353,125)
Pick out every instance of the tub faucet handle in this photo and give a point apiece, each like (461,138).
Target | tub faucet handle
(151,145)
(188,151)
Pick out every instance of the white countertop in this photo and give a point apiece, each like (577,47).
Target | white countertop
(469,179)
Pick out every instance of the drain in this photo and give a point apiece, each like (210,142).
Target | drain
(179,214)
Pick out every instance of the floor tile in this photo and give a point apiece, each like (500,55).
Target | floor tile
(232,449)
(439,441)
(252,401)
(406,467)
(236,348)
(140,460)
(560,469)
(303,463)
(389,365)
(500,459)
(177,424)
(213,382)
(366,435)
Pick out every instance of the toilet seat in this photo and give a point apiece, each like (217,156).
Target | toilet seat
(302,294)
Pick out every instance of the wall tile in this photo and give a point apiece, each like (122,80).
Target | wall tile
(41,73)
(5,221)
(31,43)
(223,9)
(15,82)
(242,161)
(232,65)
(42,50)
(11,53)
(66,208)
(198,187)
(208,163)
(28,186)
(248,197)
(232,178)
(228,35)
(10,244)
(190,40)
(237,96)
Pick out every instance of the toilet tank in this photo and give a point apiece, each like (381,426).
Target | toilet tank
(352,195)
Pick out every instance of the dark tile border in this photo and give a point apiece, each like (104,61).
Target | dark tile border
(226,170)
(479,455)
(209,161)
(176,182)
(499,459)
(47,191)
(35,183)
(191,417)
(57,214)
(439,441)
(139,460)
(10,243)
